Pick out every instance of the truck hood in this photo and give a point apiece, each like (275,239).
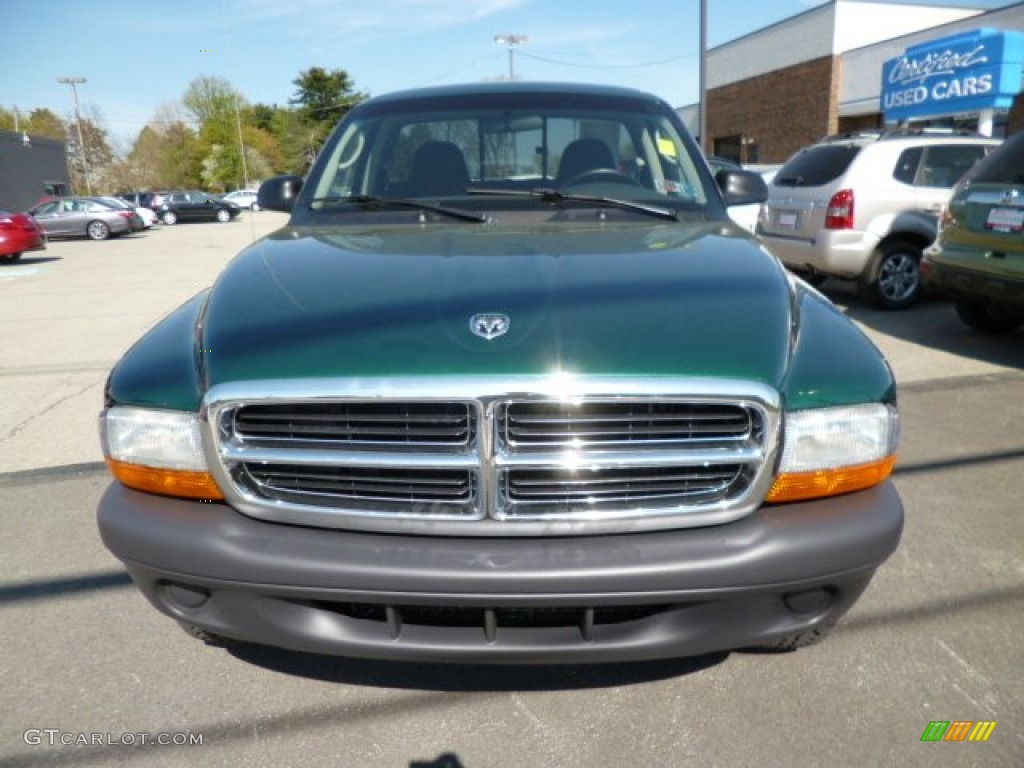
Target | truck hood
(679,300)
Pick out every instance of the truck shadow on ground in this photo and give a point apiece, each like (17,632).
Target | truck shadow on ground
(463,678)
(932,323)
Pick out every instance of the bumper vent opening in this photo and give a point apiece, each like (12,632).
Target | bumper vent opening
(490,621)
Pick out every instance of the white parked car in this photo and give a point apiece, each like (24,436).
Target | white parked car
(243,198)
(148,215)
(864,207)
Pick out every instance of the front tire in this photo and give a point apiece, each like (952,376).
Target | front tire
(254,207)
(223,215)
(895,280)
(97,230)
(169,217)
(989,318)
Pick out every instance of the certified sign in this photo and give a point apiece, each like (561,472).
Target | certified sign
(964,73)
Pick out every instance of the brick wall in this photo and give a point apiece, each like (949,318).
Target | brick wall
(870,122)
(1015,120)
(781,111)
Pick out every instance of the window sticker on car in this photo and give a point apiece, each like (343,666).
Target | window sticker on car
(1005,219)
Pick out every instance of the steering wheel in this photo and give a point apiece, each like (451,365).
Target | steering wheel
(596,175)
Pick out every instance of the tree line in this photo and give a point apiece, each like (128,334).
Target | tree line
(198,143)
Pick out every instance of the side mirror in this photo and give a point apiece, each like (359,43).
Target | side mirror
(741,187)
(279,193)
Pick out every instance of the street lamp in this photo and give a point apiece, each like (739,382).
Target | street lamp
(511,41)
(74,82)
(702,126)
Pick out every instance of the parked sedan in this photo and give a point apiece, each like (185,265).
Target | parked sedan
(145,217)
(244,198)
(82,217)
(19,232)
(193,205)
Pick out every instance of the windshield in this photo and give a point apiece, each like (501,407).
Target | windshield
(420,150)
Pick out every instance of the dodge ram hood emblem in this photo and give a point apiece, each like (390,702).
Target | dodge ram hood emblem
(489,325)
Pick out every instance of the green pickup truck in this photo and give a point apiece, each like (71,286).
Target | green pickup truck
(509,387)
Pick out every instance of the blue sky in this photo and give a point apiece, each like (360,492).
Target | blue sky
(139,56)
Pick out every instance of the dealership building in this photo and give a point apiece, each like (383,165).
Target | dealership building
(854,65)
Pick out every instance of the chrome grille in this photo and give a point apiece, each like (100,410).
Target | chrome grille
(642,424)
(362,424)
(427,492)
(561,491)
(467,457)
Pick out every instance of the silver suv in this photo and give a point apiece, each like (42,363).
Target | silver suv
(865,206)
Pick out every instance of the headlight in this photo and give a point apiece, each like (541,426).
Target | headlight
(157,451)
(828,451)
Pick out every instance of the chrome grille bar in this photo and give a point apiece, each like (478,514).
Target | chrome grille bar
(464,456)
(431,493)
(528,425)
(389,424)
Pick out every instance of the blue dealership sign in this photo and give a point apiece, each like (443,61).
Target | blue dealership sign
(968,72)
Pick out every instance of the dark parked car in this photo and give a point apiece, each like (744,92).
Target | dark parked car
(138,199)
(19,233)
(511,388)
(82,217)
(193,205)
(978,257)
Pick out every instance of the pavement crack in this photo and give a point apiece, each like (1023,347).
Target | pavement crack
(22,425)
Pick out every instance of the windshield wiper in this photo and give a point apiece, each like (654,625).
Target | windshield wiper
(789,181)
(555,197)
(370,201)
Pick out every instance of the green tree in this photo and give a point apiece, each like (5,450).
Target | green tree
(210,99)
(7,120)
(218,108)
(139,169)
(323,98)
(261,116)
(43,122)
(181,160)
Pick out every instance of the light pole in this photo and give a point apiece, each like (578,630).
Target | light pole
(74,82)
(702,126)
(511,41)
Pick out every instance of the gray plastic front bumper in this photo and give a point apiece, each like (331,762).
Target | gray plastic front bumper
(782,570)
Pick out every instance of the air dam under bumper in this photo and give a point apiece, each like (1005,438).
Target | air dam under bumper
(655,595)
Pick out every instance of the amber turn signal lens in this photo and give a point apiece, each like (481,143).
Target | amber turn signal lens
(798,486)
(168,482)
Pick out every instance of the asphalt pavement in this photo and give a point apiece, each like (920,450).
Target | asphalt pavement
(93,676)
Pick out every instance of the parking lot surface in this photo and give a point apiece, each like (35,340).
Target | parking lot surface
(93,676)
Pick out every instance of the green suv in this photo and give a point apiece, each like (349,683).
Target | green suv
(509,387)
(978,258)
